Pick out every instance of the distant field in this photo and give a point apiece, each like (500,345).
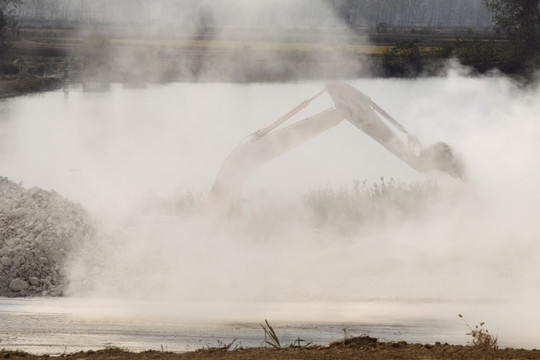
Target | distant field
(258,45)
(63,43)
(301,40)
(141,55)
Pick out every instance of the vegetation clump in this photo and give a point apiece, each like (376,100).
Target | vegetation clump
(8,24)
(481,337)
(271,338)
(8,354)
(519,20)
(346,207)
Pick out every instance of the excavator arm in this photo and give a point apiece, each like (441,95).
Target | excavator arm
(350,104)
(368,117)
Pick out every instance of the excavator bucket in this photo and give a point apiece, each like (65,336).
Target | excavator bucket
(440,156)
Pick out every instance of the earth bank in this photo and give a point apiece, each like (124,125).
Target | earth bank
(350,348)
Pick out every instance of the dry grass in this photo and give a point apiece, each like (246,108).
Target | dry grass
(346,207)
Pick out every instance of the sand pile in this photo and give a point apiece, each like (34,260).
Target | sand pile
(38,231)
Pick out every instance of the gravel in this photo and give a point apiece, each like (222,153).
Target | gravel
(39,230)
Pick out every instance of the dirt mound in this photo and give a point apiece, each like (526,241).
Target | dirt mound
(356,342)
(38,231)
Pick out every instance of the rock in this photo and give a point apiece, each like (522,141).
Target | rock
(11,242)
(18,285)
(5,260)
(34,280)
(16,213)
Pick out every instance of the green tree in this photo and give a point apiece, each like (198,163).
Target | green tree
(520,20)
(8,23)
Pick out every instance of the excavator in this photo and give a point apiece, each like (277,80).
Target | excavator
(269,143)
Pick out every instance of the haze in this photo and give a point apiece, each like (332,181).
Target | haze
(142,160)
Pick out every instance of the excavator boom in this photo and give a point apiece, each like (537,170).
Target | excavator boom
(259,149)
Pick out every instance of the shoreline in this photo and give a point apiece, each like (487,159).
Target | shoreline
(362,347)
(46,55)
(21,87)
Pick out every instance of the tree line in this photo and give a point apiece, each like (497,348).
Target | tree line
(402,13)
(413,13)
(516,50)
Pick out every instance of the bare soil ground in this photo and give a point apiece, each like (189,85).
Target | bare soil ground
(352,348)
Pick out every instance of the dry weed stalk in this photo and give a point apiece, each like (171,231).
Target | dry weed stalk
(481,337)
(269,333)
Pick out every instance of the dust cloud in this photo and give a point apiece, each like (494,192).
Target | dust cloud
(238,41)
(141,161)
